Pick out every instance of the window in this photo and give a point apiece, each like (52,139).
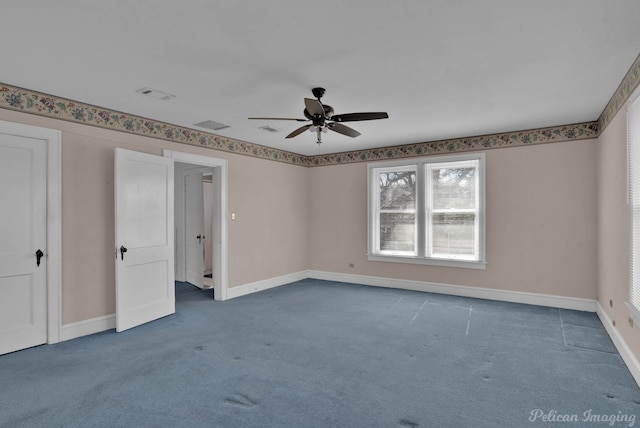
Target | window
(633,200)
(428,210)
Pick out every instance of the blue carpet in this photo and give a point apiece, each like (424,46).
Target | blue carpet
(325,354)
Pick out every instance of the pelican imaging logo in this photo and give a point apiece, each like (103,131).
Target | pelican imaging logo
(588,416)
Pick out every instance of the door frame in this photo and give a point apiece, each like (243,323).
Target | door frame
(53,139)
(220,223)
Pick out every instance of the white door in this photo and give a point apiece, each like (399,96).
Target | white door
(145,288)
(194,229)
(23,220)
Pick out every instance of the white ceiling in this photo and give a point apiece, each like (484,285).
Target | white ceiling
(441,69)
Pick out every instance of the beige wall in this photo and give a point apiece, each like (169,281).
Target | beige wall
(557,220)
(269,236)
(268,239)
(542,219)
(613,220)
(541,223)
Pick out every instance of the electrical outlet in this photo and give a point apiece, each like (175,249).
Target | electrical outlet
(233,216)
(631,321)
(611,302)
(352,265)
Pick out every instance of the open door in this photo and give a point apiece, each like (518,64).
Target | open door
(145,288)
(194,229)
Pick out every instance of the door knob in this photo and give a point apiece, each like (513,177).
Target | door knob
(123,250)
(39,255)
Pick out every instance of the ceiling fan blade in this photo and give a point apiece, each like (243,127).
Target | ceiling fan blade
(314,107)
(354,117)
(298,131)
(279,118)
(343,129)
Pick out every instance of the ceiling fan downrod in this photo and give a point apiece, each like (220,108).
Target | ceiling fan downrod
(318,92)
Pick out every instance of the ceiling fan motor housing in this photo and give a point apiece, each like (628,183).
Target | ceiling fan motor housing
(328,112)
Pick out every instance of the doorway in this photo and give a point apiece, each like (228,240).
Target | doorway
(211,174)
(150,230)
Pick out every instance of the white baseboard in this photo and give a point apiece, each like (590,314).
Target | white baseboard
(623,349)
(265,284)
(108,322)
(86,327)
(574,303)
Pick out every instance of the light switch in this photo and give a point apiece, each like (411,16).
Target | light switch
(233,216)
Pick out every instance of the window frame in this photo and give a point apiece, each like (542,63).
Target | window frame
(633,200)
(422,165)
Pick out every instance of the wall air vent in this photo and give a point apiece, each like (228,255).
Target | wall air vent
(210,124)
(154,93)
(270,128)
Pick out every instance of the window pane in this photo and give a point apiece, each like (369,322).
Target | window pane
(633,182)
(397,190)
(454,188)
(453,234)
(397,232)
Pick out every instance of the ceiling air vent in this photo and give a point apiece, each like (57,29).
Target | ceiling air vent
(154,93)
(270,128)
(210,124)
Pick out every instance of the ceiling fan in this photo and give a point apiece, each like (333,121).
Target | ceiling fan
(323,120)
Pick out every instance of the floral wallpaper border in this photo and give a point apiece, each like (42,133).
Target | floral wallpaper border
(556,134)
(20,99)
(629,83)
(27,101)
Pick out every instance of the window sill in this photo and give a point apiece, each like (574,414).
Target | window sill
(428,261)
(633,313)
